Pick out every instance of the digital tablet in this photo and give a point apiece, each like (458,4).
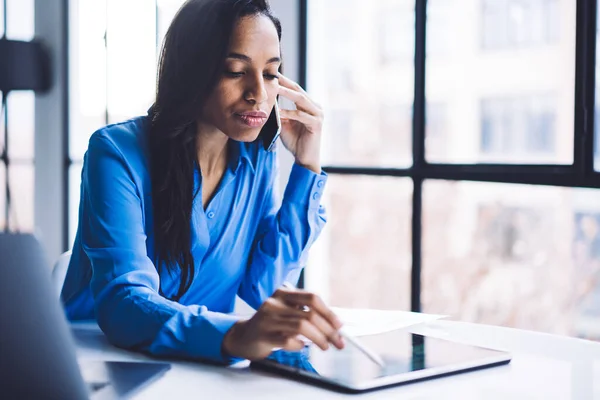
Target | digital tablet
(408,358)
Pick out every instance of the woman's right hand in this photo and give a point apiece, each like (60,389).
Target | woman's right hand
(278,323)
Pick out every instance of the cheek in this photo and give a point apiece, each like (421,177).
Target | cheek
(229,92)
(219,103)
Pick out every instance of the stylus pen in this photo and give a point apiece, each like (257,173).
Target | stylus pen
(372,355)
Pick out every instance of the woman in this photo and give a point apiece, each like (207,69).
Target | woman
(178,210)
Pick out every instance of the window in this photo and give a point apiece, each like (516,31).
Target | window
(112,70)
(16,166)
(363,81)
(491,240)
(597,91)
(532,87)
(519,23)
(513,255)
(364,251)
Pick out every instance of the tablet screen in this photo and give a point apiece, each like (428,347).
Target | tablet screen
(407,357)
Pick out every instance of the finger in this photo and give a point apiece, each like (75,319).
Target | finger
(291,325)
(290,84)
(286,342)
(301,100)
(332,334)
(305,328)
(286,125)
(278,315)
(300,116)
(314,302)
(288,318)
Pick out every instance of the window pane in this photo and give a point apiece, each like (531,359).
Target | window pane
(74,197)
(360,69)
(1,17)
(362,258)
(21,125)
(131,58)
(505,83)
(22,196)
(513,255)
(20,19)
(87,73)
(2,196)
(597,106)
(438,43)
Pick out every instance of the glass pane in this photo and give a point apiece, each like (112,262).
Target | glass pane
(22,197)
(21,125)
(2,196)
(505,81)
(131,58)
(597,106)
(166,11)
(87,74)
(362,258)
(20,19)
(360,69)
(74,197)
(513,255)
(1,18)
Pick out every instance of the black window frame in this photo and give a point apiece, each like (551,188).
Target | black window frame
(6,159)
(579,174)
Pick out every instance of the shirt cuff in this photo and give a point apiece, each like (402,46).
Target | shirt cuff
(196,334)
(305,187)
(222,323)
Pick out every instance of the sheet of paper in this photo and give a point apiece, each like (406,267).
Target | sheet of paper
(363,322)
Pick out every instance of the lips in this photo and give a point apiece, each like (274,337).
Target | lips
(257,114)
(252,119)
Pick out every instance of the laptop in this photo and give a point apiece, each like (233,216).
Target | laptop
(37,352)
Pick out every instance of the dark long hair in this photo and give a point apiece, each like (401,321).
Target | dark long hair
(191,64)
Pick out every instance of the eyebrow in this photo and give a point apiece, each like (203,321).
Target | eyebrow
(245,58)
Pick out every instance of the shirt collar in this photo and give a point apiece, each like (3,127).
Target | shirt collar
(238,153)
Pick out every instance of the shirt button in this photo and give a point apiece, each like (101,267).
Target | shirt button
(320,184)
(315,196)
(211,215)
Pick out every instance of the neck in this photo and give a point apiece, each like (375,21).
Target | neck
(211,145)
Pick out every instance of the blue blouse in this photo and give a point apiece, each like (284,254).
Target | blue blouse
(246,242)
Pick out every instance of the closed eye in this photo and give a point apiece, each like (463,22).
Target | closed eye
(234,74)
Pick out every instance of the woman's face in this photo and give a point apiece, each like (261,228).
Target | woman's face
(246,92)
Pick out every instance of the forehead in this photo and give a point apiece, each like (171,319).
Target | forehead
(255,37)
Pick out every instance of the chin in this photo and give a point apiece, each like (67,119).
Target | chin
(247,136)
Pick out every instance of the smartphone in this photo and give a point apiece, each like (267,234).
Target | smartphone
(272,129)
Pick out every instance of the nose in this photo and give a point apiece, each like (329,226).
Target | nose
(256,91)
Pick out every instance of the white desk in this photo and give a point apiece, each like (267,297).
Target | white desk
(543,367)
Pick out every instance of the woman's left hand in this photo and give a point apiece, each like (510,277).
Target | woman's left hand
(301,128)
